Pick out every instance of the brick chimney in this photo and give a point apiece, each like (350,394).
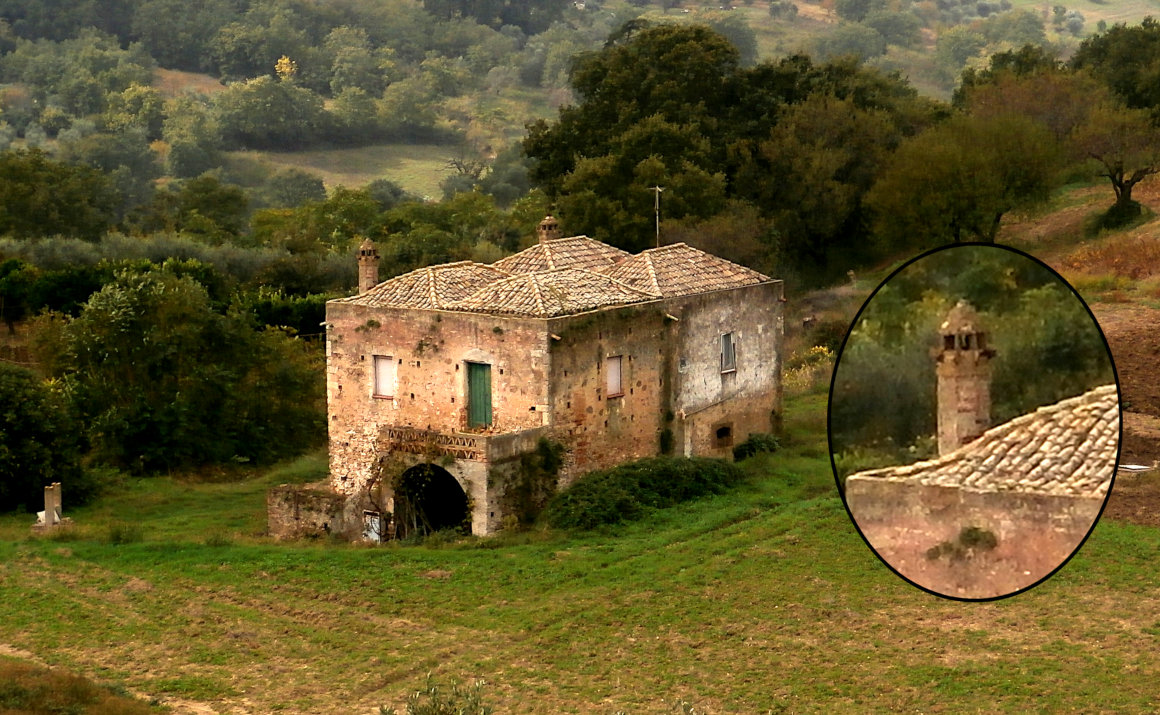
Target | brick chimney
(549,229)
(368,266)
(963,366)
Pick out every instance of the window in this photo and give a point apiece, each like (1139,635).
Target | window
(386,376)
(612,377)
(478,395)
(724,436)
(728,353)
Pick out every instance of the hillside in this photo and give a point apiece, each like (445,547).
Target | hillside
(762,600)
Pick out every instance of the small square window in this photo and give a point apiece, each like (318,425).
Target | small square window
(386,376)
(728,353)
(612,377)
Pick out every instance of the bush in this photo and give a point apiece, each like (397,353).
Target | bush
(756,442)
(456,699)
(38,443)
(164,382)
(626,492)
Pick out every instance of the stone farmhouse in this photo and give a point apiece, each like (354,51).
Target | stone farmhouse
(462,370)
(1036,483)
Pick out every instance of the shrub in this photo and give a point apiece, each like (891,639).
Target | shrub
(38,444)
(626,492)
(756,442)
(435,699)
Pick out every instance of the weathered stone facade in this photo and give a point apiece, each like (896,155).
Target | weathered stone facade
(1037,483)
(613,356)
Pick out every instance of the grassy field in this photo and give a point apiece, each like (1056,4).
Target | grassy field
(763,600)
(418,168)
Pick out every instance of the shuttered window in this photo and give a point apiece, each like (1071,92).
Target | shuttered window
(478,395)
(386,376)
(612,377)
(728,353)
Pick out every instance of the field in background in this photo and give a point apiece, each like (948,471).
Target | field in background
(418,168)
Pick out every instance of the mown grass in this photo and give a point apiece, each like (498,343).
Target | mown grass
(763,599)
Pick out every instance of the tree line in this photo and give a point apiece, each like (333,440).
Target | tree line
(814,168)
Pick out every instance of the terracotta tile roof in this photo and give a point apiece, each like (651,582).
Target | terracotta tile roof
(430,287)
(680,269)
(551,293)
(571,252)
(1068,448)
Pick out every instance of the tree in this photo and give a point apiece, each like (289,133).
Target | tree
(677,73)
(267,113)
(852,38)
(41,197)
(1127,59)
(956,180)
(180,34)
(811,174)
(163,381)
(193,137)
(1125,144)
(38,442)
(294,187)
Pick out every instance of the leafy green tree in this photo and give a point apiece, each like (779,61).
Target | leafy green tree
(136,106)
(181,34)
(677,73)
(124,157)
(956,180)
(193,137)
(897,28)
(38,442)
(209,207)
(164,382)
(811,175)
(42,197)
(1127,59)
(17,279)
(1125,145)
(733,27)
(294,187)
(955,46)
(267,113)
(852,38)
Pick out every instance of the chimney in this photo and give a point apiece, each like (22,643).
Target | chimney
(549,229)
(368,266)
(963,366)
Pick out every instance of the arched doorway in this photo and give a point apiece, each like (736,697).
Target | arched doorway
(429,499)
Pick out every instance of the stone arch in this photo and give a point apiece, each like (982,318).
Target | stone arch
(427,498)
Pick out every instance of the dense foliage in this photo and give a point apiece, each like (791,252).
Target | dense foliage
(163,381)
(626,492)
(38,442)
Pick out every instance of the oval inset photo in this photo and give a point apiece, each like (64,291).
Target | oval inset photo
(974,421)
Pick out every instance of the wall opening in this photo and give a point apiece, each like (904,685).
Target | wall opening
(429,499)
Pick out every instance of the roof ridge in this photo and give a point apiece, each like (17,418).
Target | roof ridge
(540,309)
(432,292)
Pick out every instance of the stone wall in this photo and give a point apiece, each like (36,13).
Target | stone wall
(430,349)
(295,510)
(601,430)
(743,401)
(903,522)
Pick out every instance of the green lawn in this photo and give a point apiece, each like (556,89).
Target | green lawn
(762,600)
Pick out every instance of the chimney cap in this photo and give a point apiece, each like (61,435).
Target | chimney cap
(963,318)
(549,228)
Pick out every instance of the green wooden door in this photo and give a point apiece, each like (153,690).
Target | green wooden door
(478,394)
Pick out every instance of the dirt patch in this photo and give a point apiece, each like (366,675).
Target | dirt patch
(1133,333)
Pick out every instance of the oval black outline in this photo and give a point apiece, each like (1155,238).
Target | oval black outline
(830,429)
